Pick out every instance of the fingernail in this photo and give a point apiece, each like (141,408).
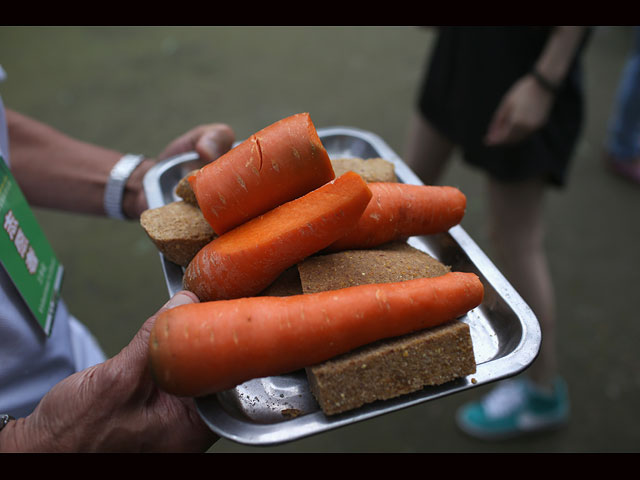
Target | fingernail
(180,298)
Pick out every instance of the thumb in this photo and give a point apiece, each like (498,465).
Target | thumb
(182,297)
(139,345)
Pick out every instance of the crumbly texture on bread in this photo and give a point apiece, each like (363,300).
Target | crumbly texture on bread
(390,368)
(184,190)
(393,262)
(178,230)
(370,169)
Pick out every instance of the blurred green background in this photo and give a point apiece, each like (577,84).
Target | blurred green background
(134,89)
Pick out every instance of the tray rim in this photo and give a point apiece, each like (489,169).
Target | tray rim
(256,434)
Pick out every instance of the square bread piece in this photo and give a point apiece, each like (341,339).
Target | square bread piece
(178,230)
(392,262)
(391,367)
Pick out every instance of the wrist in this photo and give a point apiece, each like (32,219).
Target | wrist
(124,196)
(544,82)
(8,435)
(134,199)
(16,437)
(72,417)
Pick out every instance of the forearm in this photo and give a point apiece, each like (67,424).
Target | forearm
(59,172)
(559,52)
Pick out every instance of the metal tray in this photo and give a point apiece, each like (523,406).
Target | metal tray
(266,411)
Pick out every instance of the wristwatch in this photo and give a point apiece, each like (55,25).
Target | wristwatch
(114,190)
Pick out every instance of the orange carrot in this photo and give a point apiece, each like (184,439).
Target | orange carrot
(273,166)
(399,210)
(247,259)
(203,348)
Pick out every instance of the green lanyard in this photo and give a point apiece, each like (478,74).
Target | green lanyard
(26,253)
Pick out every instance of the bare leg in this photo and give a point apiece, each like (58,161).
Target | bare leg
(517,233)
(427,150)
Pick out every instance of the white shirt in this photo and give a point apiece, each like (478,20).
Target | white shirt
(30,362)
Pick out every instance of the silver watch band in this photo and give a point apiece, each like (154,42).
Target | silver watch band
(114,190)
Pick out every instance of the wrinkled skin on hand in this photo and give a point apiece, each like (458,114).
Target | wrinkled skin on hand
(114,406)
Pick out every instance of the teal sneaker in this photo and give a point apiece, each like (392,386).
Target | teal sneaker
(514,408)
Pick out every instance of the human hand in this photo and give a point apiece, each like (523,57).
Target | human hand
(523,110)
(113,407)
(209,141)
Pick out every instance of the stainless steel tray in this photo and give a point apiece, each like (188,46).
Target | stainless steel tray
(265,411)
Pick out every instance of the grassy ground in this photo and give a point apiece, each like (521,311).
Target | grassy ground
(135,89)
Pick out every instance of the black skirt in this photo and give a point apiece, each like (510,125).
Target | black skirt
(470,70)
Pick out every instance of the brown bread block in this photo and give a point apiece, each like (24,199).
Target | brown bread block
(178,230)
(387,263)
(370,169)
(392,368)
(393,262)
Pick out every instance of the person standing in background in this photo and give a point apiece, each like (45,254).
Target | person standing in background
(511,99)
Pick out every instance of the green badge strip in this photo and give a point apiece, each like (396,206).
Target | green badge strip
(26,254)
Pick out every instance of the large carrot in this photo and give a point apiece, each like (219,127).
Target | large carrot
(399,210)
(275,165)
(202,348)
(247,259)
